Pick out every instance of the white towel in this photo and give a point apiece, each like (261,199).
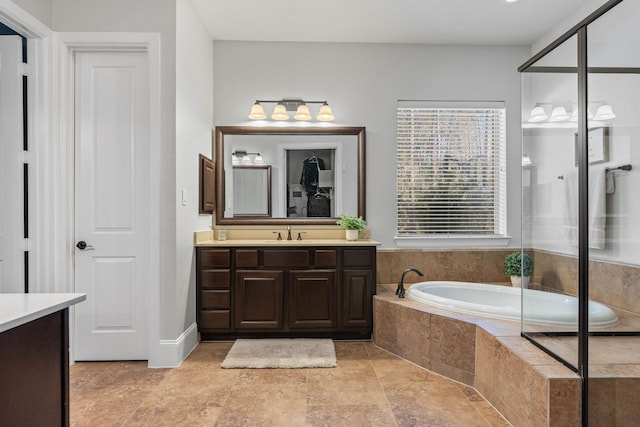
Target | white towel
(597,207)
(571,206)
(611,183)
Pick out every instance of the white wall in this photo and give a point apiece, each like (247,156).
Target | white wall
(362,83)
(566,24)
(40,9)
(194,120)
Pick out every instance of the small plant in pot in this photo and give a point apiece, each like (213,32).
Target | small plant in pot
(519,266)
(353,225)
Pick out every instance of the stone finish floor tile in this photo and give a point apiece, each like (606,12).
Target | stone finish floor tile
(369,387)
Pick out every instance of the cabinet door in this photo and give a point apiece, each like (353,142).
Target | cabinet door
(357,299)
(313,296)
(258,299)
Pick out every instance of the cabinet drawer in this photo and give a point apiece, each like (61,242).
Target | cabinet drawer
(361,257)
(215,319)
(215,279)
(217,258)
(215,300)
(246,257)
(289,258)
(326,258)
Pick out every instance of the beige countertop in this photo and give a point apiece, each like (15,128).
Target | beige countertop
(254,238)
(274,242)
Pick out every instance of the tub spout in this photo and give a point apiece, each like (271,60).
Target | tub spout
(400,290)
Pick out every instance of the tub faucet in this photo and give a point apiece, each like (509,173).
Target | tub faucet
(400,290)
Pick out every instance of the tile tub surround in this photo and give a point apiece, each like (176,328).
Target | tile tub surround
(526,385)
(612,284)
(457,265)
(615,285)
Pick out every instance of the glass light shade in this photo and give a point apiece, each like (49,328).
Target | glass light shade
(537,115)
(280,113)
(258,160)
(302,113)
(559,114)
(574,115)
(234,159)
(604,112)
(325,114)
(257,112)
(246,159)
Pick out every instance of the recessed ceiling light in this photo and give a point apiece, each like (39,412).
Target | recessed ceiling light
(511,1)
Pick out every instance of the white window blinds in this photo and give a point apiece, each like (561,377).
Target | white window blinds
(451,176)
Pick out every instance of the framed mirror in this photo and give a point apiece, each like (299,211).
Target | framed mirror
(252,191)
(316,174)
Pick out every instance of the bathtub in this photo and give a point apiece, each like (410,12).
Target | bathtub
(503,302)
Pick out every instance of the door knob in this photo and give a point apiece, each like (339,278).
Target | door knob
(82,245)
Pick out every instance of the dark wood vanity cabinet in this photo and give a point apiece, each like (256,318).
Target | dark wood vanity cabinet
(259,297)
(285,291)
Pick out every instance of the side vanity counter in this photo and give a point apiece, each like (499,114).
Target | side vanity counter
(34,358)
(285,288)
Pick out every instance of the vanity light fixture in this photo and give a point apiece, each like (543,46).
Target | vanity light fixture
(559,113)
(242,157)
(283,106)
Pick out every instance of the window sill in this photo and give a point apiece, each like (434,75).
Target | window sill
(466,242)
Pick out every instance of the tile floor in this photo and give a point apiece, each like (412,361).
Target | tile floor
(370,387)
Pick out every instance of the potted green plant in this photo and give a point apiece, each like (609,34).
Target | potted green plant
(352,225)
(519,266)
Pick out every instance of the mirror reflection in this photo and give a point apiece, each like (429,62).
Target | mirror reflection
(315,174)
(252,190)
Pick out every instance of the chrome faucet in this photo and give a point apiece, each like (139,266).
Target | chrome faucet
(400,290)
(289,232)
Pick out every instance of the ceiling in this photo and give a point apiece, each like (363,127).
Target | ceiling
(493,22)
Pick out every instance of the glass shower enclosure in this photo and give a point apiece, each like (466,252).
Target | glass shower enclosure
(581,212)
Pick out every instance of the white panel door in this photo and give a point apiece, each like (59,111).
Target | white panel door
(11,164)
(111,205)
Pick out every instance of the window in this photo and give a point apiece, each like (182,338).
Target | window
(451,177)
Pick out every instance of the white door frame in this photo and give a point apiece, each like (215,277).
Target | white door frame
(67,44)
(39,83)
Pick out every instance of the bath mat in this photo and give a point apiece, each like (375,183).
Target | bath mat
(281,353)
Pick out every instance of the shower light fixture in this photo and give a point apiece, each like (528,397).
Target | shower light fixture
(283,106)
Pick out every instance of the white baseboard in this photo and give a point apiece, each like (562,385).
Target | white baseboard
(172,353)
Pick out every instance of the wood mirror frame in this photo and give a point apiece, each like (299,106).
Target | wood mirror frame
(221,131)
